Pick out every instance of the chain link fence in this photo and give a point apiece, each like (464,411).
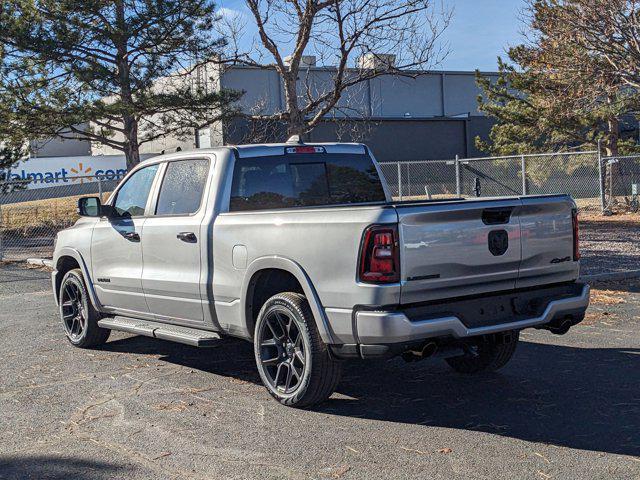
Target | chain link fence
(579,174)
(421,179)
(33,211)
(621,180)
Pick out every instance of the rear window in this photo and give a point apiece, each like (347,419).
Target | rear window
(303,180)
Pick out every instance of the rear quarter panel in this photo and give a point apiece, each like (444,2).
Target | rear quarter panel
(325,242)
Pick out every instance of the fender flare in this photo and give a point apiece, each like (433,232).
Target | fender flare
(288,265)
(77,256)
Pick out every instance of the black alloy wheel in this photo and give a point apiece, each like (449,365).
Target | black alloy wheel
(79,317)
(295,365)
(72,307)
(282,351)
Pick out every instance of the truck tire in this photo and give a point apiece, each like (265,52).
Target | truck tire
(294,363)
(79,318)
(490,354)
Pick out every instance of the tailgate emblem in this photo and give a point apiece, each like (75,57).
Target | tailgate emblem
(498,242)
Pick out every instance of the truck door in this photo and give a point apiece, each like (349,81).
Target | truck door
(172,243)
(116,252)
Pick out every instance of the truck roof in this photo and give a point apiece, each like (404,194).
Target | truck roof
(265,149)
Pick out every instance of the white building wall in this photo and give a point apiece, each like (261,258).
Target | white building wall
(207,77)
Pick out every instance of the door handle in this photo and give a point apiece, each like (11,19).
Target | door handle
(188,237)
(133,236)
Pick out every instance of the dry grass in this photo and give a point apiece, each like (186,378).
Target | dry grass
(26,214)
(588,205)
(52,213)
(619,220)
(608,297)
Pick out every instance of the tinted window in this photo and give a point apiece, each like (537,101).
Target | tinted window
(298,180)
(182,187)
(131,199)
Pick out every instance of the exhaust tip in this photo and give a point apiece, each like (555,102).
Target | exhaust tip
(429,349)
(560,326)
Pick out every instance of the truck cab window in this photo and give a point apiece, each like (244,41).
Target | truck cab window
(131,199)
(182,187)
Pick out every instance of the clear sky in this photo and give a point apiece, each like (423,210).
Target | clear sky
(480,30)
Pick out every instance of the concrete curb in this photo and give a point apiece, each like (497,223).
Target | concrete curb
(629,274)
(40,262)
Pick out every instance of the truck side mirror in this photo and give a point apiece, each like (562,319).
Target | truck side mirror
(89,207)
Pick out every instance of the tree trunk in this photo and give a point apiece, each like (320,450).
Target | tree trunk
(130,123)
(296,124)
(612,169)
(613,135)
(132,149)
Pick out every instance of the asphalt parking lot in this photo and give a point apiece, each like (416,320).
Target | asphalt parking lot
(566,407)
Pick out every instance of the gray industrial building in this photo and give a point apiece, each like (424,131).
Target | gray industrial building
(429,115)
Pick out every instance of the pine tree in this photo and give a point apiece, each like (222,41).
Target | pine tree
(117,72)
(12,135)
(555,94)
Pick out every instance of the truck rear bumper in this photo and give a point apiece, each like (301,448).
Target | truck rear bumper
(375,328)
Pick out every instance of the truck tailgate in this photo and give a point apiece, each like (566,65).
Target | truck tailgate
(454,249)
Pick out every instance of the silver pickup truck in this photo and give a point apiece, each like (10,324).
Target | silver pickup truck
(300,249)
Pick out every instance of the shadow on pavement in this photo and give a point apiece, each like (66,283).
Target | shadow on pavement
(584,398)
(57,468)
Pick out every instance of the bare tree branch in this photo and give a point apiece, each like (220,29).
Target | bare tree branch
(340,33)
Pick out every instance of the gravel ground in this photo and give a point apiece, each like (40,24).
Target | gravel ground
(566,407)
(609,244)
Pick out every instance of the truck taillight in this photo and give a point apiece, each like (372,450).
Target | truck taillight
(576,235)
(379,255)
